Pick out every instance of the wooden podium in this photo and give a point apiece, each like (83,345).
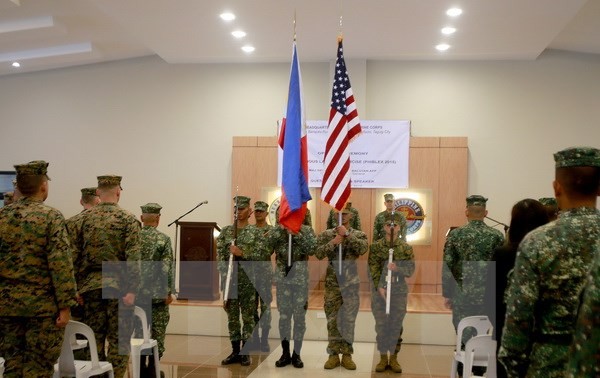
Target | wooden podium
(198,275)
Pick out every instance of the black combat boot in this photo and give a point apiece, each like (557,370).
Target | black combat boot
(296,360)
(245,359)
(234,357)
(285,358)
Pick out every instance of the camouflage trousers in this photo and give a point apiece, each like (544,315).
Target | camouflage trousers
(264,297)
(158,316)
(30,346)
(112,323)
(341,308)
(388,327)
(292,303)
(242,303)
(548,360)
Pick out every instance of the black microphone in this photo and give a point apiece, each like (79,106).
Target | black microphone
(506,227)
(203,203)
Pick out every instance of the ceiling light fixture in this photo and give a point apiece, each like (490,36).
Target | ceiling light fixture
(238,34)
(453,12)
(227,16)
(16,64)
(442,47)
(248,48)
(448,30)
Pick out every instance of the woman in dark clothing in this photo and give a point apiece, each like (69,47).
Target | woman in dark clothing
(526,215)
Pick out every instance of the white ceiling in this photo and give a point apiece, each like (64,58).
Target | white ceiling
(46,34)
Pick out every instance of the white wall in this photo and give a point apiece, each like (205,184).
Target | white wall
(168,128)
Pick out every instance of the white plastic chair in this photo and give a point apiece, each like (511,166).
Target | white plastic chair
(483,326)
(67,366)
(1,367)
(137,345)
(480,351)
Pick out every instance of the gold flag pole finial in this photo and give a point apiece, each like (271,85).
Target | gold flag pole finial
(294,25)
(341,35)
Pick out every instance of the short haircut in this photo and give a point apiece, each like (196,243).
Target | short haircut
(29,185)
(579,181)
(476,210)
(88,199)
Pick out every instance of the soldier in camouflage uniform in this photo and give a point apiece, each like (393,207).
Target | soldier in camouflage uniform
(341,291)
(585,350)
(552,264)
(241,300)
(378,231)
(467,253)
(157,281)
(263,277)
(551,207)
(389,326)
(107,265)
(37,286)
(332,220)
(9,198)
(292,288)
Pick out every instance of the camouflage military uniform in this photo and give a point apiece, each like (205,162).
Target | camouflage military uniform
(292,283)
(543,294)
(108,267)
(242,293)
(379,232)
(157,281)
(389,327)
(467,253)
(36,280)
(585,350)
(332,219)
(341,292)
(263,280)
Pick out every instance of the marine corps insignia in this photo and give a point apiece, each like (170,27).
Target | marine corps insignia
(412,211)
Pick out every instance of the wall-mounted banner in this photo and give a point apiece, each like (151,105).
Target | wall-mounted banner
(379,155)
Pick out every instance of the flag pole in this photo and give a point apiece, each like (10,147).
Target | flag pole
(289,260)
(340,245)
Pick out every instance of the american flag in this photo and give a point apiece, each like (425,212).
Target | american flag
(344,126)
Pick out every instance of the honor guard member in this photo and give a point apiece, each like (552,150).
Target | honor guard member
(155,294)
(378,231)
(8,198)
(240,240)
(388,327)
(292,288)
(263,278)
(37,286)
(467,252)
(585,350)
(108,272)
(89,199)
(552,264)
(551,207)
(332,220)
(341,290)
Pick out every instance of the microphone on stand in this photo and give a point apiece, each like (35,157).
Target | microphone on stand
(202,203)
(506,227)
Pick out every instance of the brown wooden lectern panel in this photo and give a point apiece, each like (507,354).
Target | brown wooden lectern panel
(198,276)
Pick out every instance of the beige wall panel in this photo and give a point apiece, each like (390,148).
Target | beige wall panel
(453,191)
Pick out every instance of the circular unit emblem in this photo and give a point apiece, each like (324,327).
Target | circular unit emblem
(273,210)
(412,211)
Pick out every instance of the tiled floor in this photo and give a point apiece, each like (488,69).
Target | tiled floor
(200,356)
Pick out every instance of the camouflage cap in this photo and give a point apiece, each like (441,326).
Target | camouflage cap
(34,168)
(476,200)
(548,201)
(577,157)
(151,208)
(88,191)
(241,202)
(389,219)
(109,180)
(388,197)
(260,206)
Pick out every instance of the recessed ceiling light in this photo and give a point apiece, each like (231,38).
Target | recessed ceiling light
(248,48)
(453,12)
(16,64)
(238,34)
(448,30)
(442,47)
(227,16)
